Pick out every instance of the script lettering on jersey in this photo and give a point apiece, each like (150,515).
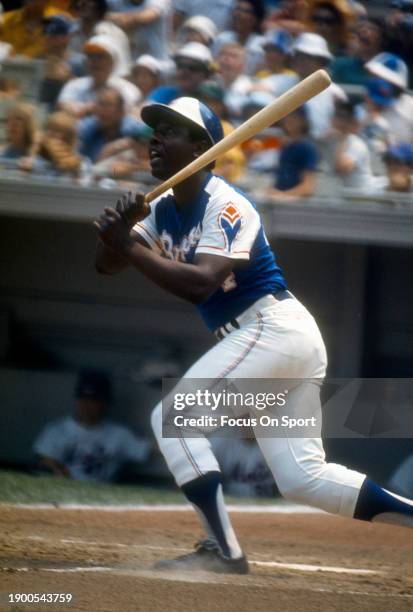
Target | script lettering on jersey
(179,252)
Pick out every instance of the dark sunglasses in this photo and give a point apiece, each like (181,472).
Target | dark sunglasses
(328,20)
(190,67)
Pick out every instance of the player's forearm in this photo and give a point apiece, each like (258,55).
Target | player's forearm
(134,19)
(145,17)
(77,109)
(305,188)
(187,281)
(57,467)
(108,261)
(344,164)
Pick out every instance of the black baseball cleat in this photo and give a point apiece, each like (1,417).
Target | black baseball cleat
(207,557)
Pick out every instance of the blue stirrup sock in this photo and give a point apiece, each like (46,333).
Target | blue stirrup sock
(377,504)
(205,493)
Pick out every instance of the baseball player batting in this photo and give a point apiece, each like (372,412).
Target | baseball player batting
(204,241)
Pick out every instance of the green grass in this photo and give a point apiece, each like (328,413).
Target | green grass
(26,489)
(18,488)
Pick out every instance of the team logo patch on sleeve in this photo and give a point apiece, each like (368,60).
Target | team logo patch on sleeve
(230,222)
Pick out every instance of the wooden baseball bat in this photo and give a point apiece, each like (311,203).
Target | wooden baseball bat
(286,103)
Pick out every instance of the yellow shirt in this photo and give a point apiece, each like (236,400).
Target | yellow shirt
(25,37)
(231,165)
(58,6)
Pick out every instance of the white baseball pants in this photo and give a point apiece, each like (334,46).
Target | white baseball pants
(276,339)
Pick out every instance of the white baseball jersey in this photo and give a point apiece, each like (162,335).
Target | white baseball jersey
(90,453)
(222,221)
(243,466)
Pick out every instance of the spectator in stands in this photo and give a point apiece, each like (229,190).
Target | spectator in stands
(399,32)
(289,15)
(9,88)
(366,42)
(351,157)
(375,127)
(146,74)
(125,157)
(198,29)
(6,50)
(92,21)
(262,149)
(311,52)
(193,66)
(21,132)
(23,28)
(237,85)
(78,96)
(331,19)
(277,46)
(277,75)
(247,17)
(87,446)
(60,63)
(398,160)
(297,166)
(399,115)
(57,152)
(231,165)
(218,11)
(147,24)
(109,124)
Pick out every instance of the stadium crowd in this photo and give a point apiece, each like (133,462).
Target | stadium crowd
(103,60)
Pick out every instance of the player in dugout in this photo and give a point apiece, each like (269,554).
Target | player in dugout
(204,241)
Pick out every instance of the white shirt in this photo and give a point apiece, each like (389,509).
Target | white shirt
(277,84)
(321,109)
(82,91)
(357,150)
(90,453)
(153,37)
(219,11)
(400,118)
(236,94)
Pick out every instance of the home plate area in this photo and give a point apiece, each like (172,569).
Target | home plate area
(299,562)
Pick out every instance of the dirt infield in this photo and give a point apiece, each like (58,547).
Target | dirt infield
(104,557)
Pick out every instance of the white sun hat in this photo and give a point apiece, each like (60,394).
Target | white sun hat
(312,44)
(204,25)
(389,67)
(195,51)
(150,62)
(103,42)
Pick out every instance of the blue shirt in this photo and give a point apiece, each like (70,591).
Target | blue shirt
(296,158)
(92,139)
(9,152)
(220,221)
(164,94)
